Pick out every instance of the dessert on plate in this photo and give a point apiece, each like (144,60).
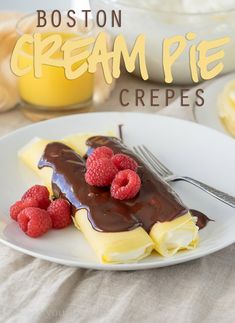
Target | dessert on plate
(226,104)
(122,208)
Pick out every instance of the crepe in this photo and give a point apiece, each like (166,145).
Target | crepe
(167,238)
(118,247)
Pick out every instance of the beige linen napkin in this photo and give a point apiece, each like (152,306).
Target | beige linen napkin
(9,96)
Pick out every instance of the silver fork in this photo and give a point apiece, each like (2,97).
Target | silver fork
(151,160)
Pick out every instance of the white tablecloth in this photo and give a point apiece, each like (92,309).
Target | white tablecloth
(33,290)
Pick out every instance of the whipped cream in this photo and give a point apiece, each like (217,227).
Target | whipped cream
(129,256)
(178,234)
(183,6)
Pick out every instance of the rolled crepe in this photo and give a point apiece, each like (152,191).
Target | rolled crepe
(31,153)
(115,247)
(175,228)
(167,238)
(173,236)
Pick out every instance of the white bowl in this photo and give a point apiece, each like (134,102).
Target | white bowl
(158,25)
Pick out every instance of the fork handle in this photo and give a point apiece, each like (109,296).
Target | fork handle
(223,197)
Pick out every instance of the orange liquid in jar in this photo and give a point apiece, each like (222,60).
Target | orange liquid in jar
(53,90)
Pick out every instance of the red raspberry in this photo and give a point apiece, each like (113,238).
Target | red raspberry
(125,185)
(101,172)
(34,221)
(60,212)
(100,152)
(18,206)
(122,161)
(40,193)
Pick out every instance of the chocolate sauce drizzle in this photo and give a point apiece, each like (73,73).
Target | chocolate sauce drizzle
(202,219)
(156,201)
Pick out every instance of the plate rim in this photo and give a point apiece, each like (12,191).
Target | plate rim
(117,113)
(116,267)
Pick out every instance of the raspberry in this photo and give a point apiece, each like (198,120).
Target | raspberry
(100,152)
(122,161)
(34,221)
(125,185)
(60,212)
(18,206)
(101,172)
(40,193)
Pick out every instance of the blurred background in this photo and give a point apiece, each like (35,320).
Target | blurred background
(157,20)
(29,5)
(105,99)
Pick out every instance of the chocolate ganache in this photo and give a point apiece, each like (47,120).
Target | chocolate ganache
(156,201)
(117,147)
(202,219)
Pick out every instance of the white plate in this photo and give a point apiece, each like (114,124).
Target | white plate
(208,114)
(187,148)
